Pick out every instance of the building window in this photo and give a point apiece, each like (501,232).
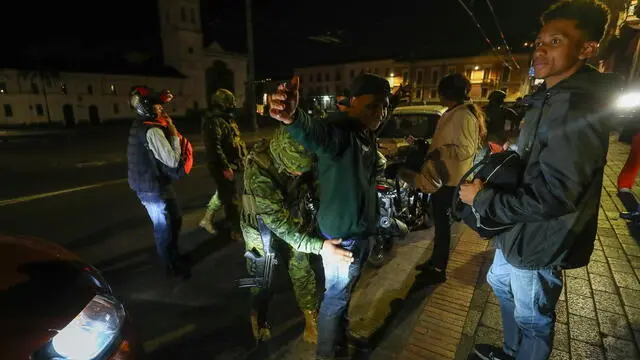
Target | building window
(435,76)
(485,92)
(434,94)
(39,110)
(183,14)
(318,90)
(49,82)
(387,72)
(338,76)
(375,71)
(506,73)
(3,88)
(420,76)
(327,77)
(405,77)
(8,111)
(193,16)
(63,88)
(486,74)
(352,73)
(326,90)
(338,90)
(116,109)
(451,70)
(190,50)
(90,89)
(34,88)
(419,94)
(318,77)
(113,89)
(195,105)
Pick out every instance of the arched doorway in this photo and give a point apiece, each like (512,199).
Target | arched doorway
(94,116)
(217,76)
(69,117)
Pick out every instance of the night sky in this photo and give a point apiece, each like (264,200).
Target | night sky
(88,30)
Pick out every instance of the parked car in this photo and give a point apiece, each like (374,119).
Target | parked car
(417,121)
(54,306)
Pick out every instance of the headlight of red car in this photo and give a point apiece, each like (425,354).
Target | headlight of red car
(89,334)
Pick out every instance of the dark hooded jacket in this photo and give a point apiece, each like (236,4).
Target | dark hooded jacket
(555,210)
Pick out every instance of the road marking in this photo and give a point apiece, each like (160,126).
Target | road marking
(65,191)
(59,192)
(153,344)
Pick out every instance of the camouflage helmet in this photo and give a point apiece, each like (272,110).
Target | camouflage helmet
(224,98)
(289,154)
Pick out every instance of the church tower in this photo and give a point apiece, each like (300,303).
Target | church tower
(181,35)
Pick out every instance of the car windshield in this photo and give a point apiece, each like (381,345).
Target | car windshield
(403,125)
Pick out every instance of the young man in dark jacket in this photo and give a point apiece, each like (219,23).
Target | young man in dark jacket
(554,212)
(345,145)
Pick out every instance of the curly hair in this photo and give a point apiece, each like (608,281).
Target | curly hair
(591,16)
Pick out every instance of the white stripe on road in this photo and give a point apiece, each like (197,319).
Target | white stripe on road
(65,191)
(59,192)
(153,344)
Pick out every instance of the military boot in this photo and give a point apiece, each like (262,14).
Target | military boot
(207,222)
(261,330)
(310,334)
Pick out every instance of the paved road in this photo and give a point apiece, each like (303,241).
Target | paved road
(74,193)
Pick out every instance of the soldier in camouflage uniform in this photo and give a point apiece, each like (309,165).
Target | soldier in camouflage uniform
(276,182)
(225,153)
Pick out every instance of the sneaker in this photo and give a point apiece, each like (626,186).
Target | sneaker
(490,352)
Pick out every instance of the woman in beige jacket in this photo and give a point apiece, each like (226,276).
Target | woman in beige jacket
(458,137)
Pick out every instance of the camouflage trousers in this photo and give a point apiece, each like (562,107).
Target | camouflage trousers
(302,276)
(227,196)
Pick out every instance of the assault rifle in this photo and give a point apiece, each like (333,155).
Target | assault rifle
(265,264)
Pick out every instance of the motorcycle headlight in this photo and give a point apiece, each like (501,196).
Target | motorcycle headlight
(92,331)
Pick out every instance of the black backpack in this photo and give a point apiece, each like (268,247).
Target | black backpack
(502,171)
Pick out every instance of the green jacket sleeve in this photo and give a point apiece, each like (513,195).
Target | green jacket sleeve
(213,138)
(270,205)
(319,137)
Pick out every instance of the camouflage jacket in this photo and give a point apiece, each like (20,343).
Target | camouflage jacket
(223,145)
(279,198)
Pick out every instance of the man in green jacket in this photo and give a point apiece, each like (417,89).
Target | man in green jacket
(225,152)
(345,145)
(276,180)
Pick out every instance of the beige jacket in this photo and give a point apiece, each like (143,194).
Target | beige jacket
(453,147)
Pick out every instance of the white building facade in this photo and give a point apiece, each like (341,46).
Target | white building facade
(29,96)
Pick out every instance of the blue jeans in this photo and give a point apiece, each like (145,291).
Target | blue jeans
(340,278)
(166,217)
(527,301)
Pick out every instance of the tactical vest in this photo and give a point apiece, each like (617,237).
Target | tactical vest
(293,189)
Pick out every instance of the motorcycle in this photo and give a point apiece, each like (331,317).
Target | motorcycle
(403,209)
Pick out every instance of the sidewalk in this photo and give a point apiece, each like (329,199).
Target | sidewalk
(598,315)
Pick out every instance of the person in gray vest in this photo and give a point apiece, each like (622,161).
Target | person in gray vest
(157,154)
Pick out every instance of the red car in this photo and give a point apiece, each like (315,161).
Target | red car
(53,306)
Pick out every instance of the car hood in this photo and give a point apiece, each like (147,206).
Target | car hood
(42,288)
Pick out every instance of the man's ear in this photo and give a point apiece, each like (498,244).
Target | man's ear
(589,50)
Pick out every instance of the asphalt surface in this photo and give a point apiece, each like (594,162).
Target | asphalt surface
(72,190)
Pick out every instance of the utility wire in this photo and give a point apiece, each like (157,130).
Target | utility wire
(504,41)
(493,48)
